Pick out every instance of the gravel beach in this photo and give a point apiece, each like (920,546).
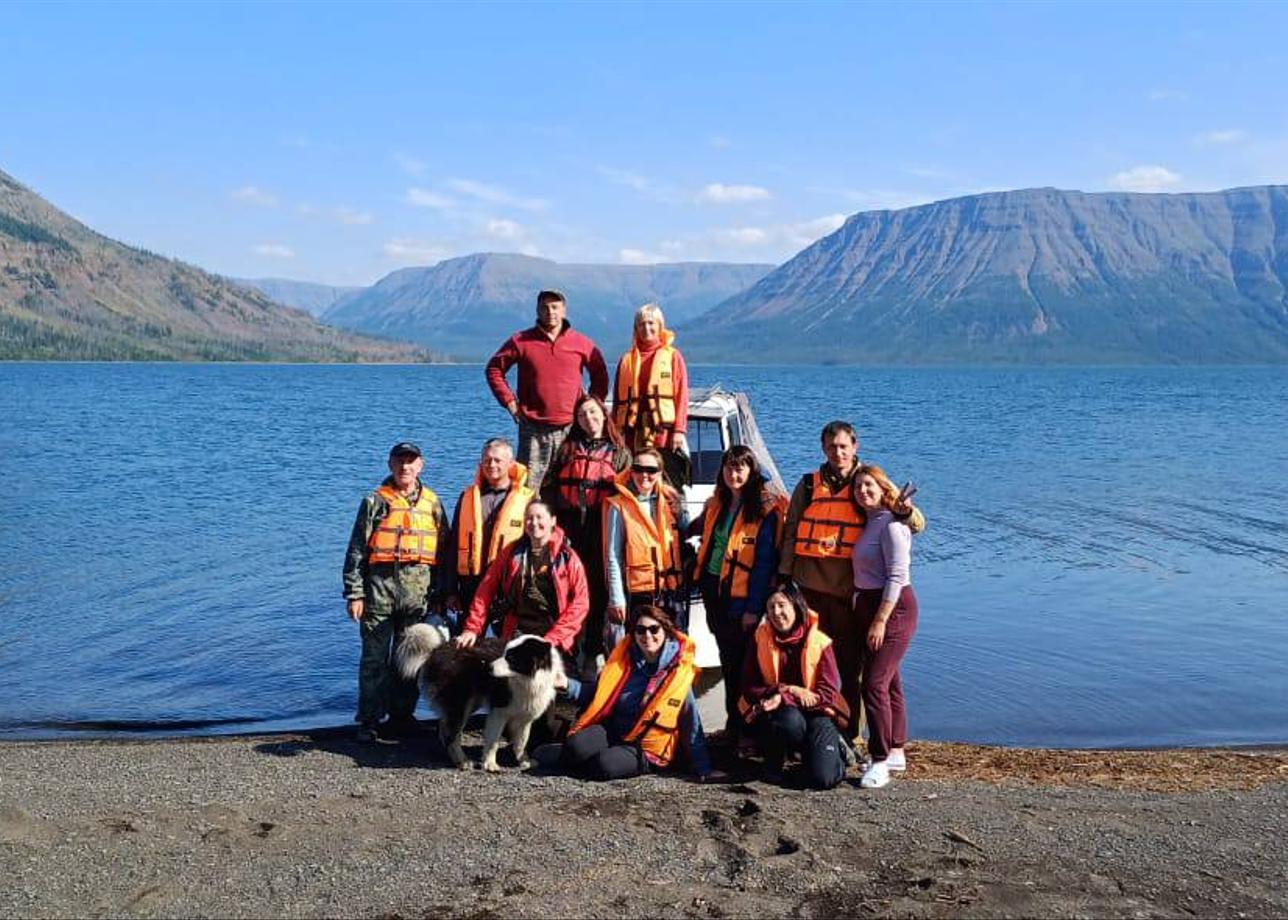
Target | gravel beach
(315,825)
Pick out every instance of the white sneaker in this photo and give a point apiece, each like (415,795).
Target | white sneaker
(897,763)
(875,776)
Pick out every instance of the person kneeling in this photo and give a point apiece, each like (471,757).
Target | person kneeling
(641,716)
(792,692)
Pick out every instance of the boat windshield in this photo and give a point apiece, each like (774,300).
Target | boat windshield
(705,449)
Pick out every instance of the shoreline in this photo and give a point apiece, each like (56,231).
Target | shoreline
(313,824)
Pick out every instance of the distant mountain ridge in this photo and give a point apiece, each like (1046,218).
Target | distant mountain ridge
(314,299)
(67,292)
(1033,275)
(467,306)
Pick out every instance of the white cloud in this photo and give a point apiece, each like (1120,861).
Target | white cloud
(425,252)
(306,209)
(808,231)
(353,218)
(501,229)
(410,164)
(718,193)
(275,251)
(424,198)
(1144,179)
(255,196)
(743,236)
(625,177)
(494,194)
(1227,136)
(639,257)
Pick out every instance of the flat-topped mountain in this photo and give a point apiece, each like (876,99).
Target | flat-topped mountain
(67,292)
(467,306)
(1034,275)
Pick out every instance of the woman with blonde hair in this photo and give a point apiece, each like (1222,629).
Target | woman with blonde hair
(885,608)
(651,393)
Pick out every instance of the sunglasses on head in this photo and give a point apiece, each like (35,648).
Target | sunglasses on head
(645,470)
(652,629)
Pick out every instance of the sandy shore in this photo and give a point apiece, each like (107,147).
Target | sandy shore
(314,825)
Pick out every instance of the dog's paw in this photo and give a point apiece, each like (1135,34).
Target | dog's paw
(465,765)
(525,764)
(491,766)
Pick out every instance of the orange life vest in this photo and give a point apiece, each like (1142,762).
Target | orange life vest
(811,650)
(652,544)
(586,478)
(830,524)
(507,522)
(646,406)
(657,730)
(408,533)
(740,551)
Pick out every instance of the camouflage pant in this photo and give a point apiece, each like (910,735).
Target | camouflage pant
(537,447)
(381,691)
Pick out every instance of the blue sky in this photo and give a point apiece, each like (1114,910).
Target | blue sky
(338,142)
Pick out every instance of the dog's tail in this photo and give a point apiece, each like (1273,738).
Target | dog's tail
(418,643)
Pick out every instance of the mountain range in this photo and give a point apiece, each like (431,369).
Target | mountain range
(468,306)
(1036,275)
(1026,276)
(67,292)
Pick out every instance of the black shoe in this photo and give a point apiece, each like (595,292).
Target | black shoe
(366,734)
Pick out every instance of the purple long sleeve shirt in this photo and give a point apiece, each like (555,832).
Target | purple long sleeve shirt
(882,556)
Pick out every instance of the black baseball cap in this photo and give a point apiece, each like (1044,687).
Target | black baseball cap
(404,447)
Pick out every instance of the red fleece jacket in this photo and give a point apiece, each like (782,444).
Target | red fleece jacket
(550,372)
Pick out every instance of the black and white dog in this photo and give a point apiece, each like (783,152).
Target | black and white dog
(517,680)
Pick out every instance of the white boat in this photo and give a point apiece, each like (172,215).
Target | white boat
(718,420)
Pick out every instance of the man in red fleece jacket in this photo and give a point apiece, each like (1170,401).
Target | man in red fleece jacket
(552,357)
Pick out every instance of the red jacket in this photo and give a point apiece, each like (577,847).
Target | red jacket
(503,581)
(549,373)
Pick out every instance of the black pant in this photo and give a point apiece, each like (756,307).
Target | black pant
(787,729)
(590,754)
(732,641)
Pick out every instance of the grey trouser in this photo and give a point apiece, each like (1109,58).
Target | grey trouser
(538,444)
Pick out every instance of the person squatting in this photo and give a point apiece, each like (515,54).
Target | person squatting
(577,532)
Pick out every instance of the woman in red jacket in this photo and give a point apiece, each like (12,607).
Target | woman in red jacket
(537,585)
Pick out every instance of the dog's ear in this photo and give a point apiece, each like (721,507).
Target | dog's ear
(501,668)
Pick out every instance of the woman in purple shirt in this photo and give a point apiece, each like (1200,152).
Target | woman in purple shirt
(886,610)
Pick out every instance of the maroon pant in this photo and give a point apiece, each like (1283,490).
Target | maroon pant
(882,688)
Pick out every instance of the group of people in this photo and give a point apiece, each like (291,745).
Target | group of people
(579,536)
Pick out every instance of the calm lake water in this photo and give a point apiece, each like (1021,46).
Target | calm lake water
(1106,561)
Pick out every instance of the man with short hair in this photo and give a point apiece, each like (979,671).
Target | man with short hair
(552,357)
(488,517)
(823,523)
(392,567)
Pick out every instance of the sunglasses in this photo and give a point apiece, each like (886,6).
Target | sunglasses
(645,470)
(653,629)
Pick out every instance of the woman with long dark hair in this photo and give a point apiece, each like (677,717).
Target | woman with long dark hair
(581,476)
(736,562)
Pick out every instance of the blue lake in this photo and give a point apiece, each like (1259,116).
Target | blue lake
(1106,561)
